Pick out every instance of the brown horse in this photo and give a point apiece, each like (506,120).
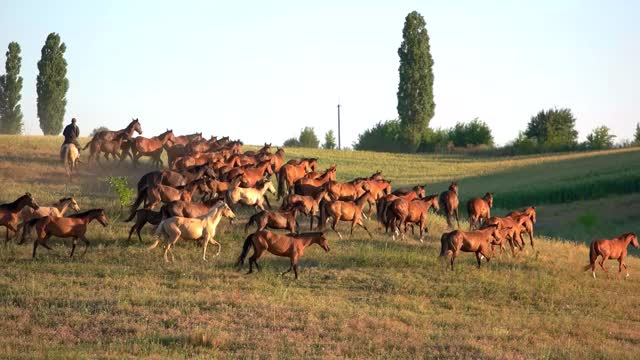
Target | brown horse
(479,210)
(108,147)
(143,216)
(328,175)
(345,211)
(449,203)
(382,204)
(530,214)
(108,135)
(343,190)
(419,191)
(414,211)
(289,174)
(311,204)
(282,219)
(477,241)
(152,195)
(614,249)
(73,226)
(185,139)
(289,245)
(142,146)
(251,176)
(9,213)
(186,209)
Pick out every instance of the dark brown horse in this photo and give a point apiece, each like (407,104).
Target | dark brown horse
(281,219)
(142,146)
(9,213)
(286,245)
(73,226)
(346,211)
(108,147)
(615,249)
(108,135)
(153,195)
(310,203)
(290,173)
(143,216)
(449,203)
(479,210)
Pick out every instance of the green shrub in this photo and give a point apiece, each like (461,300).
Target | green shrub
(120,185)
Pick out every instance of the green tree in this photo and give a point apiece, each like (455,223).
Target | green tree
(329,140)
(415,90)
(554,129)
(636,139)
(291,142)
(308,138)
(52,85)
(384,136)
(10,88)
(475,132)
(600,138)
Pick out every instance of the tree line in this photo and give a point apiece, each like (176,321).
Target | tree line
(51,87)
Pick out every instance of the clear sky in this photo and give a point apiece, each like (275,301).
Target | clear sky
(260,71)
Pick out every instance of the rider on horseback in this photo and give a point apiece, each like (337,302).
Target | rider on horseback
(71,133)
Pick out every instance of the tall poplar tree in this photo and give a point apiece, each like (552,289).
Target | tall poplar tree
(10,88)
(52,85)
(415,90)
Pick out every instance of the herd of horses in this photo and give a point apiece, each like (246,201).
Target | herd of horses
(207,180)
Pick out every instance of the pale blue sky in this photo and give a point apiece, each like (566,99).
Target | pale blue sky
(260,71)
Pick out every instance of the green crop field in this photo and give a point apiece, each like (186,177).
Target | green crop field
(366,298)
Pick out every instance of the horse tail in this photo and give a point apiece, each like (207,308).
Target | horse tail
(142,194)
(281,179)
(245,250)
(164,213)
(131,216)
(252,220)
(592,255)
(444,246)
(323,214)
(88,144)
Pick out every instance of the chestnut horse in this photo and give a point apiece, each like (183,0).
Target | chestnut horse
(479,210)
(414,211)
(252,175)
(286,245)
(108,147)
(9,213)
(614,249)
(57,210)
(185,139)
(152,195)
(142,146)
(345,211)
(477,241)
(311,204)
(449,203)
(73,226)
(108,135)
(530,214)
(290,173)
(328,175)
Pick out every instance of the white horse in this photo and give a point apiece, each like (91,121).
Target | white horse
(249,196)
(202,227)
(70,156)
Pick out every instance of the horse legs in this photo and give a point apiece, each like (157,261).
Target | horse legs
(530,237)
(625,267)
(212,242)
(73,246)
(254,259)
(478,258)
(86,244)
(455,211)
(172,240)
(131,232)
(364,227)
(604,258)
(454,254)
(333,226)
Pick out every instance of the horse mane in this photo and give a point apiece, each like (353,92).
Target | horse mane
(65,199)
(88,213)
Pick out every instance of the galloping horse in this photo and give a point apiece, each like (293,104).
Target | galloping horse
(185,139)
(143,216)
(414,211)
(108,135)
(249,196)
(57,210)
(530,215)
(478,241)
(290,173)
(202,227)
(108,147)
(73,226)
(310,203)
(615,249)
(289,245)
(449,203)
(251,176)
(282,219)
(328,175)
(9,212)
(346,211)
(479,209)
(152,147)
(152,195)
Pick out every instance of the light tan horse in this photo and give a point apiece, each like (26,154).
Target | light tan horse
(249,196)
(202,227)
(614,249)
(70,157)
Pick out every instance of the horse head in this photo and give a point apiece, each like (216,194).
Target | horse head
(135,124)
(488,197)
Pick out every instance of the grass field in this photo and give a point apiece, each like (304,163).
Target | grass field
(366,298)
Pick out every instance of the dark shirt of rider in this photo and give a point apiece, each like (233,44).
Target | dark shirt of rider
(71,133)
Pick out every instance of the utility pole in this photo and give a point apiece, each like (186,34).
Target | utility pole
(339,147)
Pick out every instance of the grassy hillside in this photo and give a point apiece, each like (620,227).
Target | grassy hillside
(366,298)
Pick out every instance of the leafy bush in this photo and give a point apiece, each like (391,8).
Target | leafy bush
(384,136)
(600,138)
(291,142)
(329,140)
(475,132)
(120,185)
(306,139)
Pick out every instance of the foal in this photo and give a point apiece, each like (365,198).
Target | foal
(615,249)
(286,245)
(143,216)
